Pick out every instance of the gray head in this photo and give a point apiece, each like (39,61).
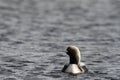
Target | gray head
(74,54)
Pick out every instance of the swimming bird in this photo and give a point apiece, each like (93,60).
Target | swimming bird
(75,65)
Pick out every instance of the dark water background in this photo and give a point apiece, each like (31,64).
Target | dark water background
(35,33)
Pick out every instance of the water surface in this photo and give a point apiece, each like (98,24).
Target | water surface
(35,33)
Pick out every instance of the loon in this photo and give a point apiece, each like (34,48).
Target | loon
(75,65)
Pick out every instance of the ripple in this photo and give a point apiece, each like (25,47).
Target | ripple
(31,78)
(17,43)
(10,79)
(4,71)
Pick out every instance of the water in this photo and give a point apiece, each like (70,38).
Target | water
(35,33)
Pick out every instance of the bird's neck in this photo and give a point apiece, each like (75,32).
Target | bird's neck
(73,60)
